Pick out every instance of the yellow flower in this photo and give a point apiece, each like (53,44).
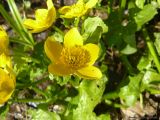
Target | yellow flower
(77,10)
(73,57)
(7,85)
(44,18)
(7,78)
(3,41)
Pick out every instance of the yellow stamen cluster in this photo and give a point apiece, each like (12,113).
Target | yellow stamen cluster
(75,57)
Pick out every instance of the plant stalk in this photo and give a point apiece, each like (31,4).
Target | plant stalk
(152,49)
(28,100)
(22,31)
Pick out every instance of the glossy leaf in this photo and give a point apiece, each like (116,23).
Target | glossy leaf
(90,93)
(43,115)
(140,3)
(145,15)
(157,42)
(130,93)
(91,25)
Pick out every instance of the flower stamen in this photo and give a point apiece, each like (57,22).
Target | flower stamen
(75,57)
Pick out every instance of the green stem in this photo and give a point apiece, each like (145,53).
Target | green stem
(19,23)
(123,4)
(14,26)
(152,49)
(109,9)
(76,22)
(7,17)
(141,100)
(20,41)
(58,30)
(28,100)
(37,90)
(122,8)
(19,86)
(127,64)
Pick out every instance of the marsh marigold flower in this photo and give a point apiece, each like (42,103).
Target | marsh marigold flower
(3,41)
(7,78)
(44,18)
(72,57)
(77,10)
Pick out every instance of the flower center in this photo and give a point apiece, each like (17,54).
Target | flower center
(75,57)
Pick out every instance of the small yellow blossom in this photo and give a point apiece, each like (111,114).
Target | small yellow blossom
(72,57)
(7,78)
(77,10)
(3,41)
(44,18)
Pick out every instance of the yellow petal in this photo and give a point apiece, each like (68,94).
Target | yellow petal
(59,69)
(91,3)
(80,2)
(3,41)
(51,17)
(52,49)
(33,26)
(30,24)
(93,49)
(5,61)
(89,72)
(44,18)
(41,14)
(7,85)
(50,4)
(73,38)
(64,9)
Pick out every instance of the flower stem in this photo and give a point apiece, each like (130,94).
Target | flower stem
(152,49)
(7,17)
(76,22)
(58,30)
(28,100)
(15,27)
(109,8)
(26,36)
(123,4)
(127,64)
(37,90)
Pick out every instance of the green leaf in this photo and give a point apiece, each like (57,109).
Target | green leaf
(91,25)
(120,36)
(104,117)
(157,42)
(90,93)
(43,115)
(130,93)
(145,15)
(62,80)
(140,3)
(128,50)
(58,37)
(158,1)
(3,112)
(95,36)
(145,62)
(114,35)
(151,82)
(150,77)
